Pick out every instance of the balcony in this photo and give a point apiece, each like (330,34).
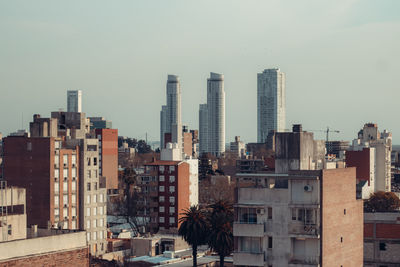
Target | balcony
(248,229)
(248,258)
(304,230)
(312,261)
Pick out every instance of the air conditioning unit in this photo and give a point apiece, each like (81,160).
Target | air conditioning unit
(73,178)
(56,179)
(260,211)
(65,205)
(65,217)
(73,165)
(56,166)
(308,188)
(73,217)
(65,164)
(65,178)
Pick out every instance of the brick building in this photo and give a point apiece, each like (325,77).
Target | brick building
(382,239)
(108,157)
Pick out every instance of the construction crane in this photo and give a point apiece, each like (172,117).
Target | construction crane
(327,131)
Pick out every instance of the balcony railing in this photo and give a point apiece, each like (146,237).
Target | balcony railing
(309,261)
(301,229)
(248,229)
(248,258)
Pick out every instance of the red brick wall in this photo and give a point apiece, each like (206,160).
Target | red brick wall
(182,189)
(78,257)
(109,156)
(187,143)
(386,230)
(342,234)
(368,230)
(360,160)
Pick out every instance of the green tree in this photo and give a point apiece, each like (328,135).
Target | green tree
(220,238)
(382,202)
(193,229)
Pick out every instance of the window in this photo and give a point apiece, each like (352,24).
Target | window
(65,186)
(101,235)
(89,174)
(172,179)
(65,226)
(73,211)
(65,212)
(10,229)
(161,219)
(269,213)
(88,237)
(162,178)
(94,223)
(94,211)
(87,211)
(56,212)
(171,168)
(294,214)
(94,235)
(172,189)
(88,224)
(171,210)
(341,239)
(65,160)
(56,187)
(161,188)
(95,186)
(88,186)
(162,198)
(270,242)
(73,172)
(73,159)
(382,246)
(281,183)
(247,215)
(101,198)
(171,220)
(95,173)
(73,185)
(88,161)
(161,209)
(57,144)
(65,173)
(100,223)
(57,161)
(56,173)
(73,199)
(249,244)
(172,199)
(95,161)
(88,199)
(56,200)
(100,210)
(94,198)
(73,226)
(344,211)
(65,199)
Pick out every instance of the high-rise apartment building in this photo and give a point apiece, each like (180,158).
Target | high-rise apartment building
(74,99)
(170,115)
(212,129)
(271,103)
(293,216)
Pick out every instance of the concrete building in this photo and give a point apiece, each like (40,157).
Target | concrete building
(203,129)
(271,103)
(74,100)
(337,148)
(238,147)
(293,216)
(381,239)
(99,123)
(170,116)
(12,212)
(369,136)
(46,247)
(364,161)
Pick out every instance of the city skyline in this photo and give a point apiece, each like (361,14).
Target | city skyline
(341,53)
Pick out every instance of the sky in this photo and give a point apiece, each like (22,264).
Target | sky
(341,59)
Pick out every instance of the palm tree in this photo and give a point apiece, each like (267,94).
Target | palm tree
(193,229)
(220,238)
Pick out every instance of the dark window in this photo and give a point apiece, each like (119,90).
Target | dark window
(94,161)
(341,239)
(344,211)
(270,213)
(9,229)
(270,242)
(382,246)
(88,186)
(281,183)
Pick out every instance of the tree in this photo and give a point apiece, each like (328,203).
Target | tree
(193,229)
(220,238)
(143,147)
(382,202)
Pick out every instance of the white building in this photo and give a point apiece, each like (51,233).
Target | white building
(74,99)
(170,116)
(215,134)
(271,103)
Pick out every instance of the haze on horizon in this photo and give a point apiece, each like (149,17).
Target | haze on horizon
(341,60)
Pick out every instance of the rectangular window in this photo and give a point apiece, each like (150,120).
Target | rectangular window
(101,235)
(100,210)
(73,185)
(57,144)
(172,200)
(56,187)
(100,223)
(89,174)
(95,174)
(73,225)
(161,168)
(94,235)
(94,198)
(57,161)
(65,199)
(94,211)
(162,178)
(95,186)
(73,199)
(161,209)
(171,220)
(172,189)
(171,168)
(161,188)
(65,186)
(56,173)
(171,210)
(95,161)
(9,229)
(162,198)
(56,212)
(172,179)
(65,226)
(65,160)
(269,213)
(56,200)
(88,199)
(73,172)
(161,219)
(73,159)
(88,186)
(88,161)
(87,211)
(101,198)
(270,242)
(73,211)
(94,223)
(88,236)
(65,212)
(65,173)
(294,214)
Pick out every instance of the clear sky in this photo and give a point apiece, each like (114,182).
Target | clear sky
(341,58)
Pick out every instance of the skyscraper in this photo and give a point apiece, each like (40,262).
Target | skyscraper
(271,103)
(212,131)
(170,115)
(74,98)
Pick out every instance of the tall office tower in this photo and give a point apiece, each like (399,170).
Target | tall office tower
(74,98)
(170,115)
(271,103)
(203,129)
(216,114)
